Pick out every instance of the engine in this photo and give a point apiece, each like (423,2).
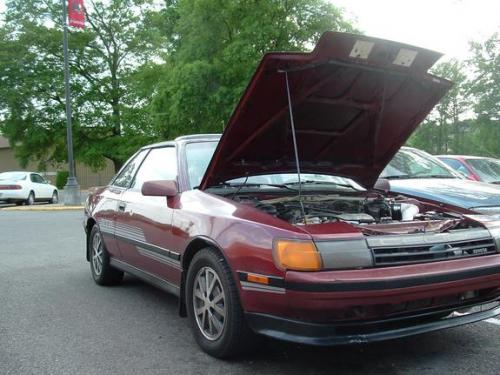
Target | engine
(323,209)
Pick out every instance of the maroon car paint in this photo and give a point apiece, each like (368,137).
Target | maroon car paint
(375,102)
(244,235)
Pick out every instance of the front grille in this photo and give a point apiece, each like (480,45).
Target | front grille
(392,256)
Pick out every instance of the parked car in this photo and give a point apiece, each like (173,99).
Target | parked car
(273,228)
(416,173)
(475,168)
(26,188)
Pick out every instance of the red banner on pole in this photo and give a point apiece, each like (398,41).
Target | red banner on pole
(76,13)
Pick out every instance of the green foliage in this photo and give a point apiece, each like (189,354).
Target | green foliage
(485,89)
(61,178)
(215,46)
(140,71)
(109,118)
(467,119)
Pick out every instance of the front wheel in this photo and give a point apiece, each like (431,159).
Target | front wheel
(102,272)
(214,309)
(55,197)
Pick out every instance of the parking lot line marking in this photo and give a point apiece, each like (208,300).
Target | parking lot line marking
(494,321)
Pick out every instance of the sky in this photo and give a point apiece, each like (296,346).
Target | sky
(445,26)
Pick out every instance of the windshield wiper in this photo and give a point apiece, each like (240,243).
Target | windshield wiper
(397,176)
(250,184)
(433,176)
(315,182)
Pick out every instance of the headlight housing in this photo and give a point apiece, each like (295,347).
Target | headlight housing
(297,255)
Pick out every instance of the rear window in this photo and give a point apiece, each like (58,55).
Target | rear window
(15,176)
(487,169)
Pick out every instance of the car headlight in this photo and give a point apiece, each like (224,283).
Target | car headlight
(487,210)
(297,255)
(495,233)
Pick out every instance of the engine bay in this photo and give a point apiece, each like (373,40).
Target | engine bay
(373,215)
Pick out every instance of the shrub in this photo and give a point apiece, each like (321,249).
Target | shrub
(61,178)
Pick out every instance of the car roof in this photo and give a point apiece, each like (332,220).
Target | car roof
(462,157)
(186,139)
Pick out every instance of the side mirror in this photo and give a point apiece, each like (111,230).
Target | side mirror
(160,188)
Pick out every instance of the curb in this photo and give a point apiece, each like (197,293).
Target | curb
(43,208)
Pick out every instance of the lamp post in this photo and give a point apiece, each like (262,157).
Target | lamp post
(71,189)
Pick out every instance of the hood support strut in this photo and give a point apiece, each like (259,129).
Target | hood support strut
(295,148)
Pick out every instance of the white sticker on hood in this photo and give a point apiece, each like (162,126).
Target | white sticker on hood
(405,57)
(361,49)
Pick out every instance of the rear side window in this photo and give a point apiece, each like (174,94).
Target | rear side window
(160,164)
(125,176)
(457,165)
(37,178)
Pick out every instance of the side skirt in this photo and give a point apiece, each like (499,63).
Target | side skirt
(146,276)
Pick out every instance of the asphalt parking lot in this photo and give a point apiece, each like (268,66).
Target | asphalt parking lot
(55,320)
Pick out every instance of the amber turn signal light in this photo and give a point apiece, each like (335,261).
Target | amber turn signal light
(257,278)
(297,255)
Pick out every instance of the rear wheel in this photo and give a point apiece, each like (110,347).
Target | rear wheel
(214,308)
(31,199)
(102,272)
(55,198)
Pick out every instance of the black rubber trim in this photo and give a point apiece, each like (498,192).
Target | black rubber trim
(273,280)
(339,334)
(392,284)
(155,249)
(146,276)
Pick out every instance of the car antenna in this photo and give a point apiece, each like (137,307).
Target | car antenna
(295,148)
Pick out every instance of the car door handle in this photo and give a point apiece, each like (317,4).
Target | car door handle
(121,206)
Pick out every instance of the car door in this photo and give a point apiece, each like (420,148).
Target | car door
(110,199)
(143,228)
(38,186)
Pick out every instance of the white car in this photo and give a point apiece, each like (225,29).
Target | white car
(27,188)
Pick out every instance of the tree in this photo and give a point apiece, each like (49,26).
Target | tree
(109,116)
(215,45)
(444,130)
(485,88)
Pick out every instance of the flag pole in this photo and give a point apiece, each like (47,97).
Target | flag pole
(71,189)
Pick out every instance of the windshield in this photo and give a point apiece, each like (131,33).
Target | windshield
(15,176)
(408,163)
(198,155)
(487,169)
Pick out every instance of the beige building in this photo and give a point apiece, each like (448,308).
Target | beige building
(85,175)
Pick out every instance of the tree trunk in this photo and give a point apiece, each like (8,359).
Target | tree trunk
(117,164)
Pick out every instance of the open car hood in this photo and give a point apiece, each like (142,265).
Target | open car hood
(355,101)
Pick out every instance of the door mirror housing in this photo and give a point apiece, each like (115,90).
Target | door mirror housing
(160,188)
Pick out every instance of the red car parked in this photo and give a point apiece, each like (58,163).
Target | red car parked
(475,168)
(274,228)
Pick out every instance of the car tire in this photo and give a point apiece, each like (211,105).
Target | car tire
(31,199)
(102,272)
(221,330)
(55,198)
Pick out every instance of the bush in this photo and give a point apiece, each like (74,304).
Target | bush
(61,178)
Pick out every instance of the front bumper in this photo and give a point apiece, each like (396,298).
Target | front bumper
(358,332)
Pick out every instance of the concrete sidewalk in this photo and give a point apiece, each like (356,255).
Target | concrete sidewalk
(42,207)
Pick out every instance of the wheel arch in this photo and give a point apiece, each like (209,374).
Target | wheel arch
(88,228)
(196,244)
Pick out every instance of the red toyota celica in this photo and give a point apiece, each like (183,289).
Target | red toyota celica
(275,228)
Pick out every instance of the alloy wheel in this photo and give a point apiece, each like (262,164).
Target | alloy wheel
(97,254)
(209,302)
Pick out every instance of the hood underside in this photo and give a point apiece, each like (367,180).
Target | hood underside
(355,101)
